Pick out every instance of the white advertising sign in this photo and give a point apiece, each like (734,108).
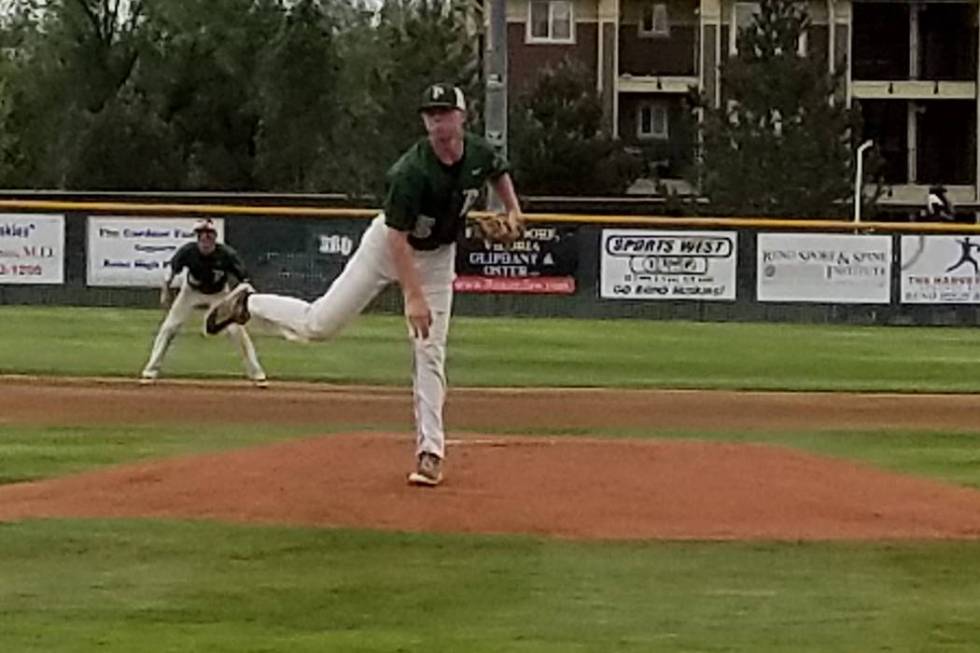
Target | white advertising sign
(833,268)
(940,269)
(32,248)
(136,251)
(641,264)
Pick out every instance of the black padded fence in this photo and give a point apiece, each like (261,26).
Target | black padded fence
(301,253)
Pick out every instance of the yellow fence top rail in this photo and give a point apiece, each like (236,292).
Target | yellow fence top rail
(186,209)
(552,218)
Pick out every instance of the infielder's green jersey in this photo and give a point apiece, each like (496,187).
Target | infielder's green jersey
(429,199)
(208,274)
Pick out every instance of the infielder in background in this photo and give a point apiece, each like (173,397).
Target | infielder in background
(430,189)
(210,266)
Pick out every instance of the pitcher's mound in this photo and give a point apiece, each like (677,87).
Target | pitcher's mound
(569,487)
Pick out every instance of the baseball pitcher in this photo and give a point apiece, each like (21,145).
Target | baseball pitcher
(412,242)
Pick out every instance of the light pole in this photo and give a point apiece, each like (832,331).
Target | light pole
(859,179)
(495,72)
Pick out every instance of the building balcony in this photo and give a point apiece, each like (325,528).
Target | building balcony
(656,84)
(916,194)
(913,90)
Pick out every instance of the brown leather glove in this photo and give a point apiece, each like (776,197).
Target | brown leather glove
(504,228)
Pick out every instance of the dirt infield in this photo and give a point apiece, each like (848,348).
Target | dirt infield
(569,487)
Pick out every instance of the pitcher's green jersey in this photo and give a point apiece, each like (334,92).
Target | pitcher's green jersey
(429,199)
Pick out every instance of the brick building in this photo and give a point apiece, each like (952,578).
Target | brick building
(912,66)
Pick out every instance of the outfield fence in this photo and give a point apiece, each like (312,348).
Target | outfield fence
(113,253)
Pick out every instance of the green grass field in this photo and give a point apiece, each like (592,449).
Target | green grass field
(168,586)
(523,352)
(174,586)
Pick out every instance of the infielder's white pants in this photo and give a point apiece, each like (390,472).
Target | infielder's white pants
(367,273)
(183,306)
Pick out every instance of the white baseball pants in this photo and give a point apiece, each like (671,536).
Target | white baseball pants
(366,274)
(180,310)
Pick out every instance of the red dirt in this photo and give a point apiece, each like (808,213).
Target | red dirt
(569,487)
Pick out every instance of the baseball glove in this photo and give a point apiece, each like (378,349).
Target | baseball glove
(500,228)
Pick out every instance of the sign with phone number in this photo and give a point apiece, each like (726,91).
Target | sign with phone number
(21,270)
(668,265)
(32,248)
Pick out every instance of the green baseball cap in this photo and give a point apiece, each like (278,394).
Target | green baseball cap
(443,96)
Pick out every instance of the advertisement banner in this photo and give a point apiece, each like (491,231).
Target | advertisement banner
(136,251)
(641,264)
(532,285)
(940,269)
(833,268)
(542,262)
(32,248)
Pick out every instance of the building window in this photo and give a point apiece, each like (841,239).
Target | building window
(550,21)
(651,121)
(653,20)
(745,13)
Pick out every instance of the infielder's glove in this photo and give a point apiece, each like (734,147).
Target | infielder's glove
(503,228)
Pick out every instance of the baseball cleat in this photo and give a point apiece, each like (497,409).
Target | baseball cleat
(262,383)
(233,309)
(428,472)
(148,378)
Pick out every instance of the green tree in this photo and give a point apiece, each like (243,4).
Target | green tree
(199,68)
(389,58)
(359,156)
(71,61)
(297,95)
(557,146)
(298,102)
(779,145)
(14,25)
(9,142)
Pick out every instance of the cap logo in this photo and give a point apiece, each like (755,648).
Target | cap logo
(443,96)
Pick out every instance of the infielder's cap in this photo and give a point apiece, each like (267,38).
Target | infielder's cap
(204,225)
(443,96)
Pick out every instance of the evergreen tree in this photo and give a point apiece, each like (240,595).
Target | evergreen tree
(298,103)
(557,146)
(781,143)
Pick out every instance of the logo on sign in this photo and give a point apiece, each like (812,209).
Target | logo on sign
(8,230)
(967,250)
(656,245)
(668,255)
(336,244)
